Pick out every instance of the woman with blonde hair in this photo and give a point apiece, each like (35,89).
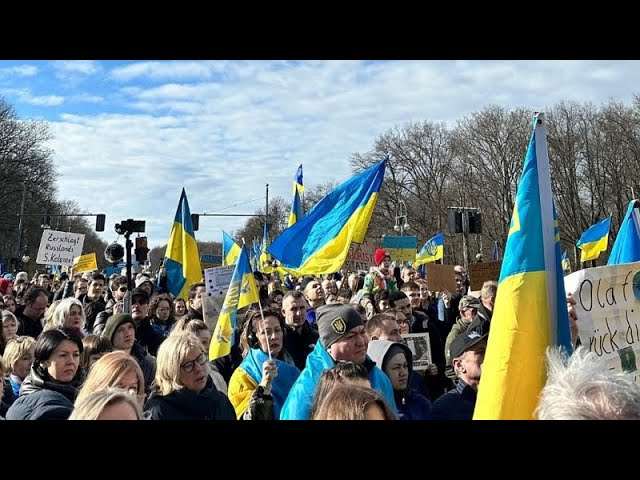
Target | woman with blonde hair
(8,329)
(353,402)
(115,369)
(69,314)
(108,404)
(18,355)
(183,388)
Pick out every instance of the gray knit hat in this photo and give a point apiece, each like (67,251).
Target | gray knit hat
(334,321)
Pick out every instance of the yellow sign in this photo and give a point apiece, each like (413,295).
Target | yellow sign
(85,263)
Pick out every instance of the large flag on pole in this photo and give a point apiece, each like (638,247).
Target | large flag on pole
(319,242)
(242,291)
(296,206)
(594,240)
(626,248)
(182,260)
(431,251)
(530,312)
(230,250)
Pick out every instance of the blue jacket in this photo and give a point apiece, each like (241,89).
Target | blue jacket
(300,398)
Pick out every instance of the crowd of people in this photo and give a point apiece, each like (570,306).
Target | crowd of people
(327,347)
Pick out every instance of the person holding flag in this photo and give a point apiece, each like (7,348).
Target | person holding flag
(431,251)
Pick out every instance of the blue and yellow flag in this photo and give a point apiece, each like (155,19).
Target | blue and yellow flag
(230,250)
(297,211)
(264,255)
(319,242)
(530,312)
(626,248)
(566,264)
(594,240)
(242,291)
(431,251)
(182,259)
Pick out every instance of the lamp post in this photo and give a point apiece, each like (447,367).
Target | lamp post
(402,223)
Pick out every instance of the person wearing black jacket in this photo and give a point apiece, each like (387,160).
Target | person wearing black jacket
(184,390)
(49,390)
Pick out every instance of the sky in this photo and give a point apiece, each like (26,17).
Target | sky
(129,135)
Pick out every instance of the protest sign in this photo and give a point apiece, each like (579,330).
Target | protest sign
(59,248)
(608,308)
(420,347)
(85,263)
(480,272)
(216,282)
(360,256)
(441,277)
(401,249)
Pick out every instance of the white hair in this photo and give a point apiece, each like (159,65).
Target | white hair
(62,310)
(583,387)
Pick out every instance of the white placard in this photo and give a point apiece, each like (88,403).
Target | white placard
(59,248)
(216,280)
(420,347)
(608,308)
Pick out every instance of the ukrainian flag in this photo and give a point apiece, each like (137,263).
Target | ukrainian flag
(319,242)
(530,312)
(594,240)
(566,265)
(626,248)
(431,251)
(182,260)
(230,249)
(242,292)
(296,206)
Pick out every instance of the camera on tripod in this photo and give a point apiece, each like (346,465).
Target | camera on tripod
(130,226)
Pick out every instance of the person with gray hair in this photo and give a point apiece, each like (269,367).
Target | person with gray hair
(583,387)
(482,319)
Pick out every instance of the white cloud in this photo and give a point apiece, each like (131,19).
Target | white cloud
(19,70)
(223,130)
(66,69)
(25,95)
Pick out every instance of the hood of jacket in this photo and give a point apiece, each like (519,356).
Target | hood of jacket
(378,350)
(40,380)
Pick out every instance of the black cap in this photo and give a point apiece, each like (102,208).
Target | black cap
(464,342)
(139,292)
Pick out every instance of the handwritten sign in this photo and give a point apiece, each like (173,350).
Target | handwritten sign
(59,248)
(608,308)
(216,282)
(401,249)
(441,277)
(360,256)
(480,272)
(85,263)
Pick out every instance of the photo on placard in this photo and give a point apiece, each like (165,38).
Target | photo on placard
(420,347)
(628,359)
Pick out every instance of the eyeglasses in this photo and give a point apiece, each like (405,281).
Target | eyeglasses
(402,322)
(189,366)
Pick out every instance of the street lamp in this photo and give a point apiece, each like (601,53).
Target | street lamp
(402,223)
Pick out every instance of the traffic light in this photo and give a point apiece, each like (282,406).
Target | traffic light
(475,222)
(455,221)
(100,219)
(195,221)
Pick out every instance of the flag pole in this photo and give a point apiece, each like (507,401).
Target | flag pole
(262,320)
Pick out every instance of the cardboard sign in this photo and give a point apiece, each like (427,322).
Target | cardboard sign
(360,256)
(441,277)
(480,272)
(59,248)
(608,307)
(420,347)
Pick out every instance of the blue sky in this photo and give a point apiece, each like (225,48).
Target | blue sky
(129,135)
